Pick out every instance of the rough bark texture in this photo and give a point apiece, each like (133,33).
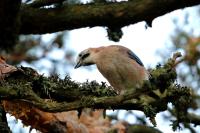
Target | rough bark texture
(90,121)
(117,15)
(8,36)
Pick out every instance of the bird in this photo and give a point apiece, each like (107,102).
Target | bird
(122,68)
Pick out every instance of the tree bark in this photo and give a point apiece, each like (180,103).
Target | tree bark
(33,88)
(9,30)
(113,14)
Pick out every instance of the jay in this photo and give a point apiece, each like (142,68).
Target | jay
(118,64)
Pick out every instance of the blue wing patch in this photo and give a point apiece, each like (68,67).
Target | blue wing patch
(135,57)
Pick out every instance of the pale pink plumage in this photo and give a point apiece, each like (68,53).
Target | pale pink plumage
(121,67)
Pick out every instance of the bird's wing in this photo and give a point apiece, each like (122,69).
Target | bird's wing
(134,57)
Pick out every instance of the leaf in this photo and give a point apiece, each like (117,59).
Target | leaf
(5,69)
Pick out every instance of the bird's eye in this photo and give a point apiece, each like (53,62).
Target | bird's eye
(80,55)
(85,55)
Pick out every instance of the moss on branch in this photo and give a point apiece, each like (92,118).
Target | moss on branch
(26,82)
(28,86)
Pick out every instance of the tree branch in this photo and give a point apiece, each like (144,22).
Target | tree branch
(27,87)
(32,88)
(90,120)
(115,15)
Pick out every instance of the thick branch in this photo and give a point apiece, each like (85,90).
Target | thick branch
(79,97)
(30,87)
(118,14)
(91,120)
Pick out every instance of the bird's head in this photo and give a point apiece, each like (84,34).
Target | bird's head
(85,58)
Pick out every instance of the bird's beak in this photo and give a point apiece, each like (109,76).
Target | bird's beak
(78,65)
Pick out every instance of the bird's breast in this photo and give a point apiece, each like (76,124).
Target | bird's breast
(121,73)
